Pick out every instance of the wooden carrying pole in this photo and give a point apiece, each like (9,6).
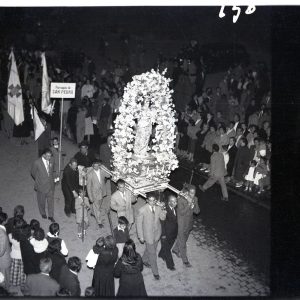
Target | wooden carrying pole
(60,136)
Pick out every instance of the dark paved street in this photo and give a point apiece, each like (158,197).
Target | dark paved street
(240,229)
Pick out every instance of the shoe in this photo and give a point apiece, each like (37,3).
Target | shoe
(224,199)
(201,188)
(157,277)
(177,254)
(161,257)
(187,264)
(172,268)
(146,265)
(44,216)
(51,219)
(100,226)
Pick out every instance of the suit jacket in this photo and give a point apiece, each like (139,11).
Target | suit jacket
(69,280)
(169,226)
(96,190)
(4,250)
(70,180)
(185,214)
(148,225)
(42,181)
(232,153)
(40,285)
(217,165)
(123,205)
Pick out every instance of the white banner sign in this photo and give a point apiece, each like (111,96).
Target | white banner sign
(62,90)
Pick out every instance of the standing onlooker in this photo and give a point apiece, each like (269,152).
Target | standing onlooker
(17,275)
(186,207)
(69,276)
(81,206)
(53,234)
(241,163)
(121,201)
(80,124)
(103,279)
(42,173)
(217,172)
(103,118)
(70,186)
(44,138)
(41,284)
(169,232)
(149,231)
(232,149)
(96,188)
(121,234)
(5,259)
(58,260)
(18,214)
(129,269)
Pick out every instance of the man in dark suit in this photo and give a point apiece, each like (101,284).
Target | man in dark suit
(42,173)
(70,186)
(217,172)
(69,276)
(41,284)
(169,231)
(232,150)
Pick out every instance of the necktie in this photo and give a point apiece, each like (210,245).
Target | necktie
(174,211)
(152,208)
(48,167)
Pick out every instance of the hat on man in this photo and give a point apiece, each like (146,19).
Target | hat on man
(83,144)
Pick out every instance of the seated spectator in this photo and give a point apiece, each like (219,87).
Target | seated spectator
(241,162)
(69,276)
(58,259)
(53,234)
(18,213)
(41,284)
(129,269)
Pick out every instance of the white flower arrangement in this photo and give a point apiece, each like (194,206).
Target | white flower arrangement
(151,87)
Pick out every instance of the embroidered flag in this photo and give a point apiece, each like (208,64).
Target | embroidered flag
(14,93)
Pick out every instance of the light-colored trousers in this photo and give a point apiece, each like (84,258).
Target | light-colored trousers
(212,180)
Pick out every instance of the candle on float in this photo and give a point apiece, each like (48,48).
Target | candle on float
(147,170)
(163,168)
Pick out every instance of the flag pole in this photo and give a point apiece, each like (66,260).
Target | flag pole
(60,136)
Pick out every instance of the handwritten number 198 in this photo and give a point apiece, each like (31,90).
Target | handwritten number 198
(250,10)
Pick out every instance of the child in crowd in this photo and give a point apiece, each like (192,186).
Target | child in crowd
(260,173)
(121,234)
(17,275)
(92,257)
(18,213)
(53,235)
(81,206)
(34,225)
(250,176)
(38,241)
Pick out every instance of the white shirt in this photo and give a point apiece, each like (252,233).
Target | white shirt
(64,250)
(152,208)
(3,227)
(15,248)
(173,210)
(46,164)
(226,159)
(98,175)
(91,259)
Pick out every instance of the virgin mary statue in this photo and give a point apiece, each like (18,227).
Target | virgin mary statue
(143,132)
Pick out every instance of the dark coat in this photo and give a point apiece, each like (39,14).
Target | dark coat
(103,279)
(131,278)
(29,258)
(43,182)
(58,261)
(169,226)
(69,281)
(85,160)
(232,153)
(241,163)
(40,285)
(70,180)
(120,235)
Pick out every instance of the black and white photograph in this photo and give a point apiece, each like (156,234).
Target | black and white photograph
(135,151)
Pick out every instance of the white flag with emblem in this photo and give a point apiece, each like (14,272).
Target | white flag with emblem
(14,93)
(46,103)
(38,126)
